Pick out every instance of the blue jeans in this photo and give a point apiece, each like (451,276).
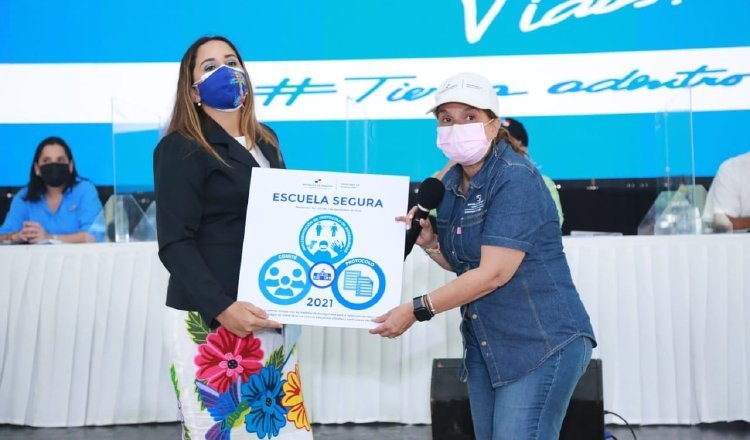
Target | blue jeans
(532,407)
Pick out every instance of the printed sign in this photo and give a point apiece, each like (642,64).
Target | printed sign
(323,248)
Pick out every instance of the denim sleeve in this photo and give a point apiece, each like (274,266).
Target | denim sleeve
(515,209)
(17,214)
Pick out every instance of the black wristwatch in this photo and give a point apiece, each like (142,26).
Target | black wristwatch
(421,312)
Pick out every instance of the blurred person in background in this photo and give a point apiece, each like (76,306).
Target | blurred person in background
(57,205)
(518,132)
(728,200)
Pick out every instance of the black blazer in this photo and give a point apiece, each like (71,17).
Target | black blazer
(201,205)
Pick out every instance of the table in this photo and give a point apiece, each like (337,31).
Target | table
(80,336)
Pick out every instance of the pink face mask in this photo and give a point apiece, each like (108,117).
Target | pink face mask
(465,144)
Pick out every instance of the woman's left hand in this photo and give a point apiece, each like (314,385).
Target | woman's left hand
(34,232)
(394,323)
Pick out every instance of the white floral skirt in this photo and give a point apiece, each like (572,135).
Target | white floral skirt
(234,388)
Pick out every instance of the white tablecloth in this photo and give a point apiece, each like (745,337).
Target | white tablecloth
(80,336)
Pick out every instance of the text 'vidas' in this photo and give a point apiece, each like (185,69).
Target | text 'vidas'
(532,19)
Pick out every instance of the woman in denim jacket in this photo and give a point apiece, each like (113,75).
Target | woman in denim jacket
(527,337)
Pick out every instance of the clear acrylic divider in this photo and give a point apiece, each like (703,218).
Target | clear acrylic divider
(358,138)
(364,138)
(679,205)
(130,214)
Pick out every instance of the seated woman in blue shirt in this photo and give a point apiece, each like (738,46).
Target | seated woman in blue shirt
(527,336)
(56,204)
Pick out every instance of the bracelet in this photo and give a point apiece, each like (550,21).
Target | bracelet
(432,251)
(428,303)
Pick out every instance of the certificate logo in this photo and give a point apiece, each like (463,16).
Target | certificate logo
(322,275)
(283,279)
(360,283)
(325,238)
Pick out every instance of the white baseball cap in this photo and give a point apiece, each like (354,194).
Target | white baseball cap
(467,88)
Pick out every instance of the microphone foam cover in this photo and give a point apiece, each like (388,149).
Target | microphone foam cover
(430,193)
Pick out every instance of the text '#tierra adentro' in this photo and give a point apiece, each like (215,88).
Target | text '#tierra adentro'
(314,199)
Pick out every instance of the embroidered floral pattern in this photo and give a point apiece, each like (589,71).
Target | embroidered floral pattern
(176,385)
(264,393)
(239,78)
(227,409)
(224,358)
(243,385)
(294,401)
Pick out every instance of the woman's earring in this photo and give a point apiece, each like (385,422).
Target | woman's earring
(198,103)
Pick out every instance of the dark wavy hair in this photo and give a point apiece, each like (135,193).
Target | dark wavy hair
(37,187)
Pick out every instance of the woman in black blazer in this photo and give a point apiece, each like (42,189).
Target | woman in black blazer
(231,372)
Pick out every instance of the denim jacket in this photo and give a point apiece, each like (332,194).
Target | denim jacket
(538,311)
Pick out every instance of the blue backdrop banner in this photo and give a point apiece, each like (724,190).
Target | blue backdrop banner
(606,88)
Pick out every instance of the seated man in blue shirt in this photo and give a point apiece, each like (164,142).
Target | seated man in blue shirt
(56,204)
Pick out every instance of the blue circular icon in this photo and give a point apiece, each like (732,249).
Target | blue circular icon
(359,283)
(283,279)
(325,238)
(322,275)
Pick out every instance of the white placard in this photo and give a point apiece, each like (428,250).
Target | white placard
(323,248)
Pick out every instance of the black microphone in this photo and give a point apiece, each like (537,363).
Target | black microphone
(429,195)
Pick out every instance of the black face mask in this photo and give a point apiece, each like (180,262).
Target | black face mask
(55,174)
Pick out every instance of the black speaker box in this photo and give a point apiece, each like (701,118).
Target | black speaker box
(449,402)
(451,415)
(585,417)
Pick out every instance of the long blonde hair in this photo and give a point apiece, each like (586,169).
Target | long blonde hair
(189,119)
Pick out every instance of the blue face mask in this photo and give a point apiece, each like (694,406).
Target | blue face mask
(224,88)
